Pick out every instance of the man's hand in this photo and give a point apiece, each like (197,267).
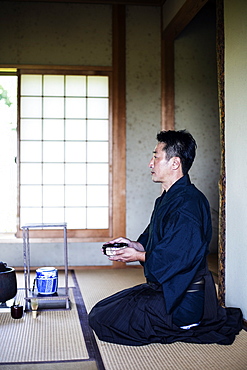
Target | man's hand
(128,254)
(134,252)
(132,244)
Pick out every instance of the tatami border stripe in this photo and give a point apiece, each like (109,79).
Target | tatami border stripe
(92,347)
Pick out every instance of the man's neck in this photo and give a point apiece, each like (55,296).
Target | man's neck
(167,186)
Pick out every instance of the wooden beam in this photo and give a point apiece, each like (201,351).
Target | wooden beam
(111,2)
(183,17)
(220,48)
(119,124)
(167,85)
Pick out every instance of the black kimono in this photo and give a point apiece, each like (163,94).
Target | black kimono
(178,302)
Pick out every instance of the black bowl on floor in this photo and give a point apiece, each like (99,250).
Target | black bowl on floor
(8,284)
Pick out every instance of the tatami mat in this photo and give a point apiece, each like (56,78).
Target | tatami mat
(52,336)
(65,365)
(97,284)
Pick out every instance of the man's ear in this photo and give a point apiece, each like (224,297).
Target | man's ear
(176,163)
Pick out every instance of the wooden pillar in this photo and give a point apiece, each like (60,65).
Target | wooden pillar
(119,119)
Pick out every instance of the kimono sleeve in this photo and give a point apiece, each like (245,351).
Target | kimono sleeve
(143,238)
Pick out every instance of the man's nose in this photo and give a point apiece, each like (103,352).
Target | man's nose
(151,163)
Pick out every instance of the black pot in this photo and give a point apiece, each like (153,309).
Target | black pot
(8,284)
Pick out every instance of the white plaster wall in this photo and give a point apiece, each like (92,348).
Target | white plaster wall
(236,153)
(196,104)
(52,254)
(143,112)
(55,33)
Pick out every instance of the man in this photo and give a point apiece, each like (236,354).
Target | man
(178,302)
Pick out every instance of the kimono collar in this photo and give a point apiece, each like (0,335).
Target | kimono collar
(179,185)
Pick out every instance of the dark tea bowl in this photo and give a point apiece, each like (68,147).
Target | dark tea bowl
(110,249)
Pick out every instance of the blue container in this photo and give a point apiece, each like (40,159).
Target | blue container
(47,280)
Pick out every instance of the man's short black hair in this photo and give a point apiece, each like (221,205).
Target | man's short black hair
(179,144)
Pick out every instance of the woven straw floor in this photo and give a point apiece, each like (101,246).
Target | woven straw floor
(97,284)
(65,365)
(52,336)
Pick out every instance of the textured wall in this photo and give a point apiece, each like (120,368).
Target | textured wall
(236,153)
(52,33)
(52,254)
(196,101)
(80,34)
(143,112)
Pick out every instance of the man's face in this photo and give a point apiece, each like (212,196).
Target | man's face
(159,165)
